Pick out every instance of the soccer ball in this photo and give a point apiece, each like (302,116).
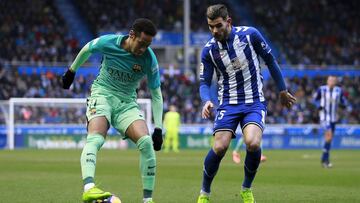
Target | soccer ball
(111,199)
(114,199)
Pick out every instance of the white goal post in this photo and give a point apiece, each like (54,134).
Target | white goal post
(145,105)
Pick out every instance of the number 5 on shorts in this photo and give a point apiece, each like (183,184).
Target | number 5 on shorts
(221,115)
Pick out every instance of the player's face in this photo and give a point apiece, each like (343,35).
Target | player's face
(139,43)
(331,81)
(219,28)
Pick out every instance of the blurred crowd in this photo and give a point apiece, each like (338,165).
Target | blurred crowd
(113,15)
(325,32)
(179,90)
(166,14)
(33,31)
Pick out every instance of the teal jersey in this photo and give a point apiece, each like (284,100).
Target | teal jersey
(121,71)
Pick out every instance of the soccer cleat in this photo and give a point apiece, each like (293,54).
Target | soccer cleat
(247,196)
(236,157)
(263,158)
(148,201)
(203,199)
(95,194)
(326,165)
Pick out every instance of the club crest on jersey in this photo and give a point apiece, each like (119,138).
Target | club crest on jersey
(136,68)
(236,63)
(93,111)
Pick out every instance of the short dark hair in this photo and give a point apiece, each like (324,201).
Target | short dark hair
(217,10)
(144,25)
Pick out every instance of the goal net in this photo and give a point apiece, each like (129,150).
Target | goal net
(55,123)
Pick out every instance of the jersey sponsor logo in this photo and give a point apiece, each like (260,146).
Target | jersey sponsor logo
(137,68)
(121,76)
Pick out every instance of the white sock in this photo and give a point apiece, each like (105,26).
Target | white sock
(145,200)
(245,188)
(88,186)
(204,193)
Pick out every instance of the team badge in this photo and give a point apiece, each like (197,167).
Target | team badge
(137,68)
(93,111)
(236,63)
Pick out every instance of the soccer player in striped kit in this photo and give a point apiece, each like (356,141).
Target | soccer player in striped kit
(328,98)
(233,53)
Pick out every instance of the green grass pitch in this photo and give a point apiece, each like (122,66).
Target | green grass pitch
(51,176)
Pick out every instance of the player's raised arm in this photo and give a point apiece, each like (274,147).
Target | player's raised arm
(206,73)
(263,49)
(69,75)
(95,45)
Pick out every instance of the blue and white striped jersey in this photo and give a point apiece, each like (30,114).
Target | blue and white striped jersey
(237,65)
(328,100)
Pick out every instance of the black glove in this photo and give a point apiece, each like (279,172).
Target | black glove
(67,79)
(157,139)
(320,108)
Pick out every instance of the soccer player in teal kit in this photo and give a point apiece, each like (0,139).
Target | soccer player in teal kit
(126,60)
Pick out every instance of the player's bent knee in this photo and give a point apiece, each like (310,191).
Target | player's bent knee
(97,139)
(220,149)
(145,144)
(253,146)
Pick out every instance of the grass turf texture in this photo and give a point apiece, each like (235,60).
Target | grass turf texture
(288,176)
